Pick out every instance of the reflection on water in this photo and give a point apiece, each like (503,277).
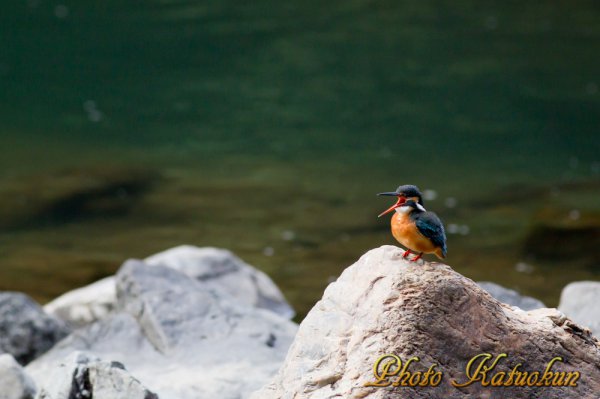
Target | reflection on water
(270,126)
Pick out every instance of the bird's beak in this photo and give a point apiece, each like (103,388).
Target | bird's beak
(401,200)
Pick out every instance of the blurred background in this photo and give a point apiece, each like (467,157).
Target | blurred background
(267,127)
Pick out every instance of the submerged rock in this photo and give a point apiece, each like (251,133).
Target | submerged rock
(564,234)
(84,377)
(14,381)
(385,305)
(581,302)
(60,197)
(180,336)
(511,297)
(26,331)
(215,268)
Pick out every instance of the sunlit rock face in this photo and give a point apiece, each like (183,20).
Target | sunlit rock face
(85,305)
(383,304)
(181,337)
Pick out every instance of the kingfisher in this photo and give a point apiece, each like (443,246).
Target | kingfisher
(413,226)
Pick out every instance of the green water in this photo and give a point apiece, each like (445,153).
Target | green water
(272,124)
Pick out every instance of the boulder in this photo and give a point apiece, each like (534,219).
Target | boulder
(26,331)
(221,269)
(85,377)
(215,268)
(180,336)
(384,305)
(511,297)
(85,305)
(14,382)
(581,302)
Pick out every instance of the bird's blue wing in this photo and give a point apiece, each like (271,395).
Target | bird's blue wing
(432,227)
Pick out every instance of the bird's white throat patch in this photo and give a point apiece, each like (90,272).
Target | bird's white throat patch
(407,209)
(403,209)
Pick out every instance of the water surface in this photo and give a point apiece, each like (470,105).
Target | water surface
(272,125)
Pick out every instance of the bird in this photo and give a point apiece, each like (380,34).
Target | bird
(414,227)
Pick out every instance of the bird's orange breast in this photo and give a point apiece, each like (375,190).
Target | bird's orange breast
(405,231)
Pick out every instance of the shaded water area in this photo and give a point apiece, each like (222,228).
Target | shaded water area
(129,127)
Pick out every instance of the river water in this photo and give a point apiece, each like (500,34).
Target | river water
(271,125)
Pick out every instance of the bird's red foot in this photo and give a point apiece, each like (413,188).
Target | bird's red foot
(406,253)
(418,257)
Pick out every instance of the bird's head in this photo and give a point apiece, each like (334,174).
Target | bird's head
(403,193)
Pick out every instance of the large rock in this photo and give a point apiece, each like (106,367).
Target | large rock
(216,268)
(385,305)
(83,377)
(14,382)
(26,331)
(511,297)
(221,269)
(181,337)
(581,302)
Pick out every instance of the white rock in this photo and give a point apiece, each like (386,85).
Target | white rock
(217,268)
(85,305)
(180,337)
(112,381)
(14,381)
(581,302)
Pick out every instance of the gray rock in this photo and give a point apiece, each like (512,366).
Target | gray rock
(216,268)
(181,337)
(581,302)
(511,297)
(14,382)
(81,376)
(26,331)
(220,268)
(386,305)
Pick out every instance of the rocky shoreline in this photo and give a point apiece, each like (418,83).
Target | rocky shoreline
(201,323)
